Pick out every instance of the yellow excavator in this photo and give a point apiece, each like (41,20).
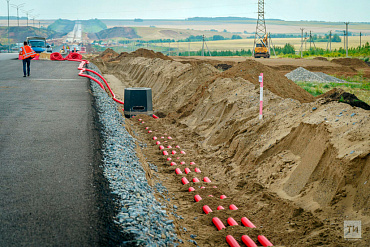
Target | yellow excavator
(261,49)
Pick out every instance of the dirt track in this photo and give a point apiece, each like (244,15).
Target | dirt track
(297,175)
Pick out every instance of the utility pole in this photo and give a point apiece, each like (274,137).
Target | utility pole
(310,39)
(261,25)
(330,40)
(189,49)
(360,39)
(8,28)
(27,13)
(17,7)
(203,46)
(346,38)
(305,41)
(302,42)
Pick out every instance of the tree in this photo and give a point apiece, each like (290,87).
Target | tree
(236,37)
(218,37)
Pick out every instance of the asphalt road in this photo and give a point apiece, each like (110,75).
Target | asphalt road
(52,192)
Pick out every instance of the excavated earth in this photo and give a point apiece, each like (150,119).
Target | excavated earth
(298,174)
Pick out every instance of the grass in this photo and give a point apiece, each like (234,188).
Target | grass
(357,85)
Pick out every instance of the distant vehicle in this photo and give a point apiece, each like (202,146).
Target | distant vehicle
(38,44)
(261,49)
(49,48)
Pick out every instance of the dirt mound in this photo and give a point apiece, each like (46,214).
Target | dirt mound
(342,96)
(107,55)
(275,82)
(223,66)
(321,58)
(125,32)
(142,53)
(351,62)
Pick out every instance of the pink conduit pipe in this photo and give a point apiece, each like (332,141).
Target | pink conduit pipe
(218,223)
(231,241)
(264,241)
(248,241)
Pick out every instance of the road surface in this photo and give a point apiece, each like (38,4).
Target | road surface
(52,192)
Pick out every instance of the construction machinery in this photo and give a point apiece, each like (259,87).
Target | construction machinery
(262,49)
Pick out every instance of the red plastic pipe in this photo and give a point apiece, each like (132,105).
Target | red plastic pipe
(184,180)
(182,152)
(155,117)
(177,146)
(197,170)
(197,198)
(173,152)
(264,241)
(232,222)
(161,147)
(168,159)
(246,222)
(155,138)
(220,208)
(191,189)
(202,187)
(192,163)
(248,241)
(222,197)
(149,131)
(169,146)
(187,170)
(206,179)
(207,209)
(178,171)
(231,241)
(182,162)
(195,180)
(173,164)
(169,138)
(233,207)
(146,128)
(218,223)
(157,142)
(165,152)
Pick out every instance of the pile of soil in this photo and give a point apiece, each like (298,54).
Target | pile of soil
(275,82)
(142,53)
(342,96)
(107,55)
(223,66)
(351,62)
(321,58)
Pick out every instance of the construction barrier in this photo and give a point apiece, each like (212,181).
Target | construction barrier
(248,241)
(218,223)
(231,241)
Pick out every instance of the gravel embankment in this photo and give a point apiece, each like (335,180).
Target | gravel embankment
(302,74)
(143,220)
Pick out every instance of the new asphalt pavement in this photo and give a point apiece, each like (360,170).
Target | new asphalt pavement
(52,191)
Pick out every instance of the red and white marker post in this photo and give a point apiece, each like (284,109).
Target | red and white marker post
(261,93)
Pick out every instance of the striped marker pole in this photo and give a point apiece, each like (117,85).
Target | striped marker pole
(261,93)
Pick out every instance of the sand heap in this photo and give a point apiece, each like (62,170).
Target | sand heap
(297,174)
(142,53)
(276,83)
(351,62)
(107,55)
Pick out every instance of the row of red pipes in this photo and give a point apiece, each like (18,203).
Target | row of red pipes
(206,209)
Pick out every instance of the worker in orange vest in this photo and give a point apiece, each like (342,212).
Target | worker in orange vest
(27,54)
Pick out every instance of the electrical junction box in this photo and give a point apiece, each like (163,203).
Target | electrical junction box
(138,100)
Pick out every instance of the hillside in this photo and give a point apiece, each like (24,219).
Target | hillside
(19,34)
(116,32)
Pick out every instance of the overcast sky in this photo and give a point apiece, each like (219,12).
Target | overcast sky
(291,10)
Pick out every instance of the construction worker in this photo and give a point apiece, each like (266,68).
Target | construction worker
(27,54)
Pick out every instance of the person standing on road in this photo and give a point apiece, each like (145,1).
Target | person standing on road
(27,54)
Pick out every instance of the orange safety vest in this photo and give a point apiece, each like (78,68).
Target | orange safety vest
(27,52)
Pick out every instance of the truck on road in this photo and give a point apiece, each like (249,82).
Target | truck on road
(38,44)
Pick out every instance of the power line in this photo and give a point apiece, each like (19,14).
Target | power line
(346,38)
(18,7)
